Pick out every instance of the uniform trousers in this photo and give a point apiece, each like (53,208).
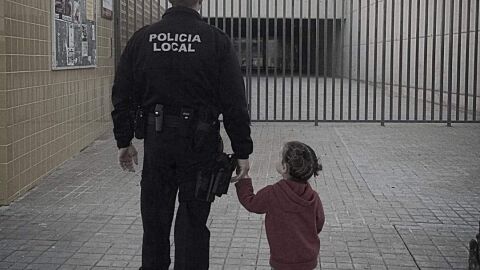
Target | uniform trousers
(170,167)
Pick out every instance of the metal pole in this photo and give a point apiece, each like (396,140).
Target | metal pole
(334,56)
(367,61)
(317,60)
(257,60)
(249,51)
(442,60)
(292,56)
(425,63)
(417,58)
(450,66)
(434,51)
(265,63)
(284,52)
(309,47)
(459,61)
(375,63)
(350,63)
(384,49)
(409,51)
(359,24)
(392,58)
(300,56)
(325,53)
(275,34)
(400,64)
(467,59)
(342,42)
(475,63)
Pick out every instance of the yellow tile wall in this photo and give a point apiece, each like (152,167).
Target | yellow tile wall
(45,116)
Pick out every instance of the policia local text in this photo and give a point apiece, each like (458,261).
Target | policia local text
(166,42)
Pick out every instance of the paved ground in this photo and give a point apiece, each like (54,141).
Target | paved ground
(395,197)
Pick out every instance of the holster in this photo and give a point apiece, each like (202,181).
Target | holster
(140,123)
(215,181)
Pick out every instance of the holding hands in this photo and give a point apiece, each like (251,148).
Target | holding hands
(243,167)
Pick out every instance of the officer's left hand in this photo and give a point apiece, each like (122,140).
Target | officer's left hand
(126,157)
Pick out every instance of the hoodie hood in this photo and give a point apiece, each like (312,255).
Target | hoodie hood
(293,196)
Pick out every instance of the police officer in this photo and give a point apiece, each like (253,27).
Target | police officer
(181,73)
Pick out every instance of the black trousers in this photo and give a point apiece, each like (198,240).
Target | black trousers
(170,166)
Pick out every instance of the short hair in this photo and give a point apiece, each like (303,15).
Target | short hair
(184,3)
(301,161)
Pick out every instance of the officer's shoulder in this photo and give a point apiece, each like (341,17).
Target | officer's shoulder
(218,32)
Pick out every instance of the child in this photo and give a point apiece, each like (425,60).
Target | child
(294,212)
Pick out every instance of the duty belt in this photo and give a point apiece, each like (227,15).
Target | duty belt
(171,121)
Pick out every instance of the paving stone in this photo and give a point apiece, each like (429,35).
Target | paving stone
(396,197)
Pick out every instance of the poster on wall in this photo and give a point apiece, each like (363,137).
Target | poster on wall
(74,40)
(107,9)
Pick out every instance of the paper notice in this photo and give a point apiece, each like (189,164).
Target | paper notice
(84,48)
(90,10)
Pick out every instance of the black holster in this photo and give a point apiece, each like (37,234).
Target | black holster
(214,181)
(140,123)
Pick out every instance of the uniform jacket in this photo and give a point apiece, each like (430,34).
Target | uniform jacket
(181,61)
(294,218)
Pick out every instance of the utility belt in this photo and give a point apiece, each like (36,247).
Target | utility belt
(203,129)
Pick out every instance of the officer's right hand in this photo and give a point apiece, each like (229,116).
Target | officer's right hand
(243,166)
(126,157)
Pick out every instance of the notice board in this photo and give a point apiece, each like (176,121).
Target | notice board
(74,43)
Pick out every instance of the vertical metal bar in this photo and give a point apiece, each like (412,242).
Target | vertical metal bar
(434,51)
(375,63)
(135,16)
(239,34)
(300,56)
(325,53)
(232,16)
(425,63)
(208,13)
(216,13)
(257,59)
(459,61)
(450,64)
(467,60)
(159,10)
(249,51)
(392,58)
(166,5)
(475,63)
(417,58)
(265,63)
(350,63)
(334,56)
(224,17)
(367,60)
(275,37)
(317,60)
(292,56)
(384,49)
(309,47)
(151,11)
(400,64)
(442,61)
(284,55)
(359,24)
(409,51)
(342,42)
(143,13)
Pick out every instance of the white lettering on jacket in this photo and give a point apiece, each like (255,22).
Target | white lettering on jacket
(171,42)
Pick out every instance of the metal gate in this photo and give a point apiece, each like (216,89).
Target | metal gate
(352,60)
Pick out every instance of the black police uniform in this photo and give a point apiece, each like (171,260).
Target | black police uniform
(191,69)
